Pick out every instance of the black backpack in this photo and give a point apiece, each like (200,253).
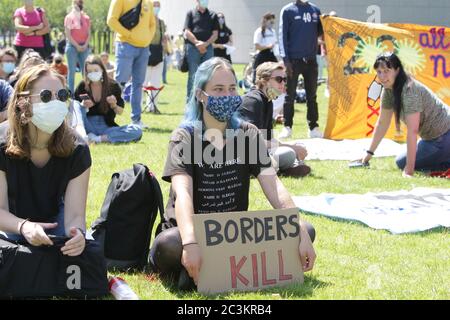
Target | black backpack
(127,217)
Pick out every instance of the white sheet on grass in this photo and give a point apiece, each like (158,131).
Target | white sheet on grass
(325,149)
(399,211)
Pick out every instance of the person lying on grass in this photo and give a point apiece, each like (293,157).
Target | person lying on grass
(420,109)
(210,129)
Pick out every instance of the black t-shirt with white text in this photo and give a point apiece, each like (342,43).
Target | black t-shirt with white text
(221,185)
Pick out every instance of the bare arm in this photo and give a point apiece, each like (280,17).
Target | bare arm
(70,39)
(184,210)
(75,202)
(28,30)
(8,222)
(261,48)
(45,28)
(412,124)
(33,232)
(75,214)
(190,36)
(381,128)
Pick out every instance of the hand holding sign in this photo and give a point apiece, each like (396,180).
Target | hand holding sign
(192,260)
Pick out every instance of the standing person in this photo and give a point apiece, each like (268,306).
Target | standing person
(99,100)
(300,28)
(420,109)
(265,41)
(78,33)
(201,30)
(211,123)
(132,49)
(8,61)
(225,37)
(44,167)
(153,76)
(31,24)
(257,108)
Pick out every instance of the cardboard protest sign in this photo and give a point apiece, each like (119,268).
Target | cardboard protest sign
(248,251)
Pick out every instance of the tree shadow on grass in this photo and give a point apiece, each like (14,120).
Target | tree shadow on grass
(293,291)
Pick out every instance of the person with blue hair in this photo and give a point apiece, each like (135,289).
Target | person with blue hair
(212,151)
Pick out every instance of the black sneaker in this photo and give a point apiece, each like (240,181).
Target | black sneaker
(185,282)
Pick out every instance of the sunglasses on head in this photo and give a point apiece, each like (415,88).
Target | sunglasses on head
(279,79)
(47,95)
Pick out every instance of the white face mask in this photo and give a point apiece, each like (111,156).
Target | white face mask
(95,76)
(49,116)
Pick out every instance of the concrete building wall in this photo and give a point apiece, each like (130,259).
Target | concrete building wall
(244,16)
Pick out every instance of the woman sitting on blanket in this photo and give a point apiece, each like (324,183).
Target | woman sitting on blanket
(421,110)
(210,127)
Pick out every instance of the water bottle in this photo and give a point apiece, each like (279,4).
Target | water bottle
(121,290)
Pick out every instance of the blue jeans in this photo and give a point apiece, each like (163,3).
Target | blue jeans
(432,155)
(73,56)
(194,60)
(98,126)
(132,62)
(58,231)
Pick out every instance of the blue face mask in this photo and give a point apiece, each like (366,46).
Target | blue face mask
(156,10)
(222,108)
(8,67)
(203,3)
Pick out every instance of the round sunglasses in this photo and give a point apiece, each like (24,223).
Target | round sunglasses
(279,79)
(46,95)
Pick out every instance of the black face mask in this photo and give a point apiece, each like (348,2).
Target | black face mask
(80,6)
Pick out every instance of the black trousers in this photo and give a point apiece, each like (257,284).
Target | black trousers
(308,69)
(166,251)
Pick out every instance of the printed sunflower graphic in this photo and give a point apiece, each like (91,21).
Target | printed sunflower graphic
(411,55)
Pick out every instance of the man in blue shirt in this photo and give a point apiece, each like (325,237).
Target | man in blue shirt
(6,91)
(300,28)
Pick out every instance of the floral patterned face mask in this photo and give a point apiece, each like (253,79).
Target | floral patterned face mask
(223,107)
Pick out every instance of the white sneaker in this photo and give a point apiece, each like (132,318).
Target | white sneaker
(315,133)
(285,133)
(141,125)
(94,138)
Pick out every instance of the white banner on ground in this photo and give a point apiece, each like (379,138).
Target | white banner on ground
(399,212)
(325,149)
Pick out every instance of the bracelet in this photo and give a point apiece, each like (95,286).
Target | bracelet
(189,243)
(21,226)
(370,152)
(82,232)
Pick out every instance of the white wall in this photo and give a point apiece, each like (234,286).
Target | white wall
(243,16)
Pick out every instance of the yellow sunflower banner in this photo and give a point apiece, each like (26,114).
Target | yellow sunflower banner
(352,48)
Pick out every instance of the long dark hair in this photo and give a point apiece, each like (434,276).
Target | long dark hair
(390,60)
(266,17)
(93,59)
(224,27)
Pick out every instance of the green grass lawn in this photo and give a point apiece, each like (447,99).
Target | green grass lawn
(353,261)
